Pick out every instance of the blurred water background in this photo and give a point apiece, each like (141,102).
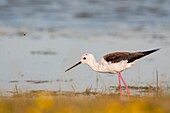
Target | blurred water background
(39,39)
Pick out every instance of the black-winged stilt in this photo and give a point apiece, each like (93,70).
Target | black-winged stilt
(114,63)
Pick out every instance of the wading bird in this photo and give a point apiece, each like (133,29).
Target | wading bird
(113,63)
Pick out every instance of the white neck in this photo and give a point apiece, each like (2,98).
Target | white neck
(93,64)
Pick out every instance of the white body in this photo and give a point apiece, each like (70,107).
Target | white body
(105,67)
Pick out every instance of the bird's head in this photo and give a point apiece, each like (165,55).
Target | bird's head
(85,59)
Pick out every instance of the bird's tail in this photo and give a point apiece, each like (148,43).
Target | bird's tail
(149,52)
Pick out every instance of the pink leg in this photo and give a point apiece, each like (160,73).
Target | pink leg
(124,84)
(120,86)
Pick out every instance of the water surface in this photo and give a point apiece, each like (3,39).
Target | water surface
(40,39)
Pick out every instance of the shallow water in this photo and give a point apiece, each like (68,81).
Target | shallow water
(40,39)
(84,13)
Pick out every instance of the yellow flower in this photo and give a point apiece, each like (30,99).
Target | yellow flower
(115,108)
(44,102)
(144,107)
(32,109)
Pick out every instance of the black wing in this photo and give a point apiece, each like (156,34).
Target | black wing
(130,57)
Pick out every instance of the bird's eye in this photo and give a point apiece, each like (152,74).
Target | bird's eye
(84,58)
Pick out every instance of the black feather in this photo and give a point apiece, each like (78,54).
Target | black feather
(130,57)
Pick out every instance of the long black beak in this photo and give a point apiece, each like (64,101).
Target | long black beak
(73,66)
